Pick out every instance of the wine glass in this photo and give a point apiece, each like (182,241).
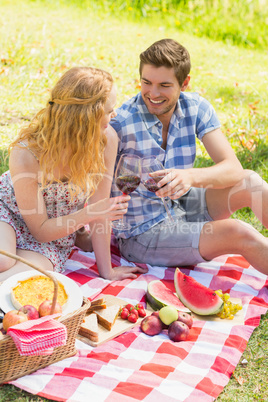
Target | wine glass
(127,179)
(150,164)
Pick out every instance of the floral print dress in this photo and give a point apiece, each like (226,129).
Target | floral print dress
(58,203)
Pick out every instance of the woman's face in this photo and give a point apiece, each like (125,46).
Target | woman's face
(109,111)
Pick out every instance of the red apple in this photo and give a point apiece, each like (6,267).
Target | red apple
(45,308)
(13,317)
(30,311)
(156,313)
(151,325)
(178,331)
(186,318)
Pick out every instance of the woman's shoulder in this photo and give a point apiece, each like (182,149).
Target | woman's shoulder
(111,146)
(112,137)
(22,158)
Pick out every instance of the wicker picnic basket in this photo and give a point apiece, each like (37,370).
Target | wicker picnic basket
(13,365)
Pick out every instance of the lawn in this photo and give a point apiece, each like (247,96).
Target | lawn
(40,40)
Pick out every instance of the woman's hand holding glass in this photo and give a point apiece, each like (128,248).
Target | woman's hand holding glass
(127,179)
(111,208)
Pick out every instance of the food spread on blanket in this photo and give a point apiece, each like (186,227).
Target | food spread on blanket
(169,307)
(98,313)
(177,323)
(202,365)
(29,312)
(132,313)
(229,308)
(197,297)
(159,295)
(191,296)
(35,290)
(103,320)
(171,311)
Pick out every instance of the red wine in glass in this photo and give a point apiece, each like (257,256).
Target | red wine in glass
(151,184)
(127,179)
(149,165)
(127,183)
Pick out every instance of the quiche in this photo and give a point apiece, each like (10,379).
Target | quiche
(36,289)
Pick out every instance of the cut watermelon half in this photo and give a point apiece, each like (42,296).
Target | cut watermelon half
(197,297)
(159,295)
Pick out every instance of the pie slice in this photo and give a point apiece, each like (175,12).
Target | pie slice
(36,289)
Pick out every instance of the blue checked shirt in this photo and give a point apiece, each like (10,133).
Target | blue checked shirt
(140,133)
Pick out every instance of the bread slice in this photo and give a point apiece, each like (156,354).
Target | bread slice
(107,316)
(89,327)
(96,307)
(97,302)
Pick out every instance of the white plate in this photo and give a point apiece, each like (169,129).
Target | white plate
(75,296)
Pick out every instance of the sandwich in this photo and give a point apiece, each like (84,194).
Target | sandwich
(107,316)
(97,304)
(89,327)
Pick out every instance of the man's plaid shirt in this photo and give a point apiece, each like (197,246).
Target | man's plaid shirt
(140,133)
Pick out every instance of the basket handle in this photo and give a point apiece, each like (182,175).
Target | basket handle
(43,271)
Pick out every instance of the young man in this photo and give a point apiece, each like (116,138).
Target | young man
(164,121)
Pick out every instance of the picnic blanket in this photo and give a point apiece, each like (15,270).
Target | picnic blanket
(136,367)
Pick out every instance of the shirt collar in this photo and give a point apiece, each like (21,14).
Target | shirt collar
(178,110)
(149,119)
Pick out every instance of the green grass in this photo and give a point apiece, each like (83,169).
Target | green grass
(40,40)
(232,21)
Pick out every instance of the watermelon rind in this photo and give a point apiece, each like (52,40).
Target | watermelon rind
(197,297)
(158,296)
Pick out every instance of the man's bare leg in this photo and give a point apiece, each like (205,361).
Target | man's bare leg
(251,192)
(231,236)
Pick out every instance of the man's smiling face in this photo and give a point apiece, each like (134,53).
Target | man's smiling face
(160,90)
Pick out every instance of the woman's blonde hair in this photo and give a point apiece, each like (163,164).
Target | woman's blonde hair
(67,131)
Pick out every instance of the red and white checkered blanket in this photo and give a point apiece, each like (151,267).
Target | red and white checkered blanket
(136,367)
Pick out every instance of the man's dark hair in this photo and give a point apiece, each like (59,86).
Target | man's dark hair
(168,53)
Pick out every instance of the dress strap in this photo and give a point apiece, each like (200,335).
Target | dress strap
(29,149)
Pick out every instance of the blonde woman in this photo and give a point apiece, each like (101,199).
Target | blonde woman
(59,178)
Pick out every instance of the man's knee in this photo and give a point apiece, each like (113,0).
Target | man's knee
(232,231)
(252,179)
(242,234)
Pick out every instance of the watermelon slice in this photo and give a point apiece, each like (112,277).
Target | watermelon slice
(197,297)
(159,295)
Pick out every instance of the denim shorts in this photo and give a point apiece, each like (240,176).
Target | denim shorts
(175,245)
